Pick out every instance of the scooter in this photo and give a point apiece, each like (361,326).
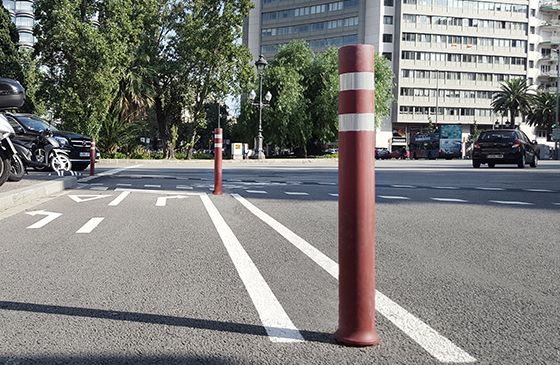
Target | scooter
(7,149)
(43,153)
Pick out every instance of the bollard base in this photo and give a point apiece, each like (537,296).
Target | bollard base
(357,339)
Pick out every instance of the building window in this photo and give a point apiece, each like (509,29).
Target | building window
(533,12)
(387,19)
(531,47)
(388,3)
(532,30)
(387,38)
(531,64)
(388,55)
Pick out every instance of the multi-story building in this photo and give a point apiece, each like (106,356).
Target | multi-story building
(449,56)
(22,16)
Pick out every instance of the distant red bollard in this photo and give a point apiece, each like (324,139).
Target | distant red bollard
(92,158)
(356,196)
(218,147)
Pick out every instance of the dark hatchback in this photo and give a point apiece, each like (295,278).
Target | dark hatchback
(28,127)
(505,146)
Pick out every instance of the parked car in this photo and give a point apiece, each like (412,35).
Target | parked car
(382,154)
(29,126)
(331,151)
(504,146)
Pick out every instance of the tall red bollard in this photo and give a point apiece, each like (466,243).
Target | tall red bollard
(92,158)
(356,196)
(218,161)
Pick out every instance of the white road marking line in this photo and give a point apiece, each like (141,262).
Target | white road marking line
(445,187)
(184,187)
(152,186)
(124,184)
(295,193)
(438,346)
(256,191)
(86,198)
(509,202)
(333,194)
(90,225)
(491,189)
(393,197)
(92,184)
(275,320)
(119,199)
(556,203)
(450,200)
(160,192)
(101,188)
(162,201)
(539,190)
(50,216)
(403,186)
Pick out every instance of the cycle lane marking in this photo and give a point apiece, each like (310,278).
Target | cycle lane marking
(435,344)
(275,320)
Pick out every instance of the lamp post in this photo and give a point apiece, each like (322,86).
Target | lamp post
(437,96)
(555,48)
(261,65)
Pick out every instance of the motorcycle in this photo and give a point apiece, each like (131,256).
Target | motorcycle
(7,149)
(43,153)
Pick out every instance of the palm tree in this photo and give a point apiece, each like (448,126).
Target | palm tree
(514,97)
(543,111)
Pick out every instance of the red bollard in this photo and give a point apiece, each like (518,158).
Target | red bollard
(218,161)
(92,158)
(356,196)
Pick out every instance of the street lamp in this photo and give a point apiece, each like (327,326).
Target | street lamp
(261,65)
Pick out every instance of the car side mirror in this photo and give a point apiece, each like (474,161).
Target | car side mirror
(18,129)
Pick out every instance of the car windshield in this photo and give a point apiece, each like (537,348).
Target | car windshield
(498,136)
(35,123)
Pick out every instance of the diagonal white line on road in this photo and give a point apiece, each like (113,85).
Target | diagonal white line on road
(438,346)
(275,320)
(119,199)
(90,225)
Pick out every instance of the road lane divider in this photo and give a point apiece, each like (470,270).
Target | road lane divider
(430,340)
(90,225)
(276,322)
(122,196)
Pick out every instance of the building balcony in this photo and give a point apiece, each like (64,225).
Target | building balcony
(548,5)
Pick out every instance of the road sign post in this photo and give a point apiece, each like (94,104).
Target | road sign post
(356,196)
(218,137)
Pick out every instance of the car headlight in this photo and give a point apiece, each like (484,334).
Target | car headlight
(62,141)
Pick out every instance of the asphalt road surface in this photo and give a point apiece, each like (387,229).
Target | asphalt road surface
(142,264)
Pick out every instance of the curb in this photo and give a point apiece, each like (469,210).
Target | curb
(24,195)
(211,162)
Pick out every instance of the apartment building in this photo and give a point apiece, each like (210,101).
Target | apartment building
(448,56)
(22,16)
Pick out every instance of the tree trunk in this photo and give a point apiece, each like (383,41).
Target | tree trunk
(164,131)
(191,145)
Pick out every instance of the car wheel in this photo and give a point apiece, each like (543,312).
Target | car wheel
(535,161)
(40,157)
(491,165)
(521,163)
(476,164)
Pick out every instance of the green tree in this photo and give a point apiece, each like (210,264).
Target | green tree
(10,66)
(514,98)
(304,105)
(211,62)
(542,113)
(83,46)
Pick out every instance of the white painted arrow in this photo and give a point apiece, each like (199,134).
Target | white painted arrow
(86,198)
(161,201)
(50,216)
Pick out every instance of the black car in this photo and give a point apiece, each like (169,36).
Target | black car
(505,146)
(28,127)
(382,154)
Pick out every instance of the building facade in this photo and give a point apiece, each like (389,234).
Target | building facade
(22,16)
(449,56)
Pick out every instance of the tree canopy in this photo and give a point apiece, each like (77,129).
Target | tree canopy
(303,111)
(514,97)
